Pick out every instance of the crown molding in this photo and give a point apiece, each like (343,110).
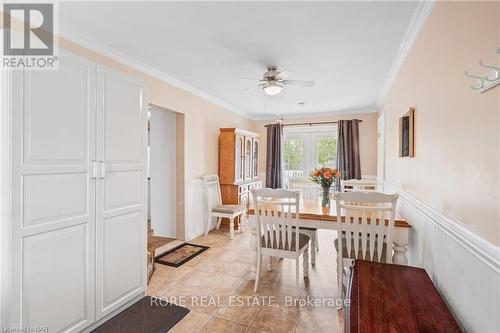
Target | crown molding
(342,112)
(146,69)
(422,12)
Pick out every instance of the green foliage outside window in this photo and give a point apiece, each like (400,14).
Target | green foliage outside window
(327,150)
(294,154)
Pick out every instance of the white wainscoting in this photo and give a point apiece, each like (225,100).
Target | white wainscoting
(464,267)
(195,210)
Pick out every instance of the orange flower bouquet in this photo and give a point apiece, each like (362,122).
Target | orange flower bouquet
(325,177)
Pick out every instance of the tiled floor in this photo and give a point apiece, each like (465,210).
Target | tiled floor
(217,288)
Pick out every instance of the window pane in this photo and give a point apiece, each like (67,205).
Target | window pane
(294,157)
(327,151)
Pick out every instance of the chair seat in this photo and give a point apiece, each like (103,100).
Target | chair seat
(303,241)
(228,209)
(360,254)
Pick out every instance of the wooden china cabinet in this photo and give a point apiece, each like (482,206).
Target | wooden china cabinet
(238,166)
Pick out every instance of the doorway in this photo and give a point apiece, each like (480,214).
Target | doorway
(163,208)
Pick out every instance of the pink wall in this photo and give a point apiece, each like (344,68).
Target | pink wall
(456,170)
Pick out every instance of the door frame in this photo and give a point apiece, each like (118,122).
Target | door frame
(181,182)
(381,147)
(5,194)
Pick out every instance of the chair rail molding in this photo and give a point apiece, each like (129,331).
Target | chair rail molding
(464,267)
(482,249)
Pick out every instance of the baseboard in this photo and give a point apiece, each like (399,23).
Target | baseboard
(464,267)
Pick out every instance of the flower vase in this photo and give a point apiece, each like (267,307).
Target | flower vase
(325,200)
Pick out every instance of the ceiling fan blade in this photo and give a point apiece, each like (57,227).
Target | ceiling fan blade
(302,83)
(285,73)
(250,88)
(250,78)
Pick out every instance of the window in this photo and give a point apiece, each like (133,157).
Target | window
(306,148)
(294,156)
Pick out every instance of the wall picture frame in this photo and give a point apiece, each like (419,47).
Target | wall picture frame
(407,134)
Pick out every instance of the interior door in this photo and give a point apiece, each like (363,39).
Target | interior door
(53,196)
(121,190)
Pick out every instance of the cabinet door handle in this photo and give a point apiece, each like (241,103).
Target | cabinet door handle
(103,170)
(93,166)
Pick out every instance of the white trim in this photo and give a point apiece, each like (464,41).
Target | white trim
(5,188)
(422,12)
(353,111)
(480,248)
(146,69)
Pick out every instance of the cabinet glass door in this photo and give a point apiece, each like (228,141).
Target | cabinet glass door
(239,158)
(248,158)
(255,159)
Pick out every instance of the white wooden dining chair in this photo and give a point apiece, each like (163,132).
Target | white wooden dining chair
(367,228)
(308,191)
(277,229)
(358,185)
(215,208)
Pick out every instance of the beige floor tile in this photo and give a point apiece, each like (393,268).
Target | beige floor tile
(255,330)
(319,321)
(224,270)
(247,287)
(221,283)
(238,313)
(193,322)
(218,325)
(277,320)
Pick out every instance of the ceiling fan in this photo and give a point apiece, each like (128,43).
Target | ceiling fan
(273,81)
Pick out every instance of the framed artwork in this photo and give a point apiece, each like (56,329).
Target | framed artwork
(406,134)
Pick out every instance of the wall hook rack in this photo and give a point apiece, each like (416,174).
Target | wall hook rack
(487,81)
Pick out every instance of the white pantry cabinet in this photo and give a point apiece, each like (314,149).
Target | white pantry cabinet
(77,229)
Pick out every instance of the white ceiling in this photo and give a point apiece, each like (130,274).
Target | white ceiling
(348,48)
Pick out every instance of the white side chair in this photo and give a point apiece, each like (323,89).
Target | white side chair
(367,231)
(277,229)
(358,185)
(216,209)
(309,191)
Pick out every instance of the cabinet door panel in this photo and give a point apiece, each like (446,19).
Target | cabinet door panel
(122,258)
(54,266)
(53,196)
(121,191)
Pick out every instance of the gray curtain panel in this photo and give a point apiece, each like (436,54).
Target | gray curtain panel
(348,149)
(273,157)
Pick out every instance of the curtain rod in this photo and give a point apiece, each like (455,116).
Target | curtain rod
(317,123)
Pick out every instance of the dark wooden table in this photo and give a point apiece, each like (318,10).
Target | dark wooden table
(395,298)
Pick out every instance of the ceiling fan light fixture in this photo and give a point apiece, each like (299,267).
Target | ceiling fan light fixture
(273,89)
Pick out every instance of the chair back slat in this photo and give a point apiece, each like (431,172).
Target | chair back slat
(277,218)
(368,224)
(358,185)
(212,191)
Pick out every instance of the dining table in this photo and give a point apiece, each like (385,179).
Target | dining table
(313,215)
